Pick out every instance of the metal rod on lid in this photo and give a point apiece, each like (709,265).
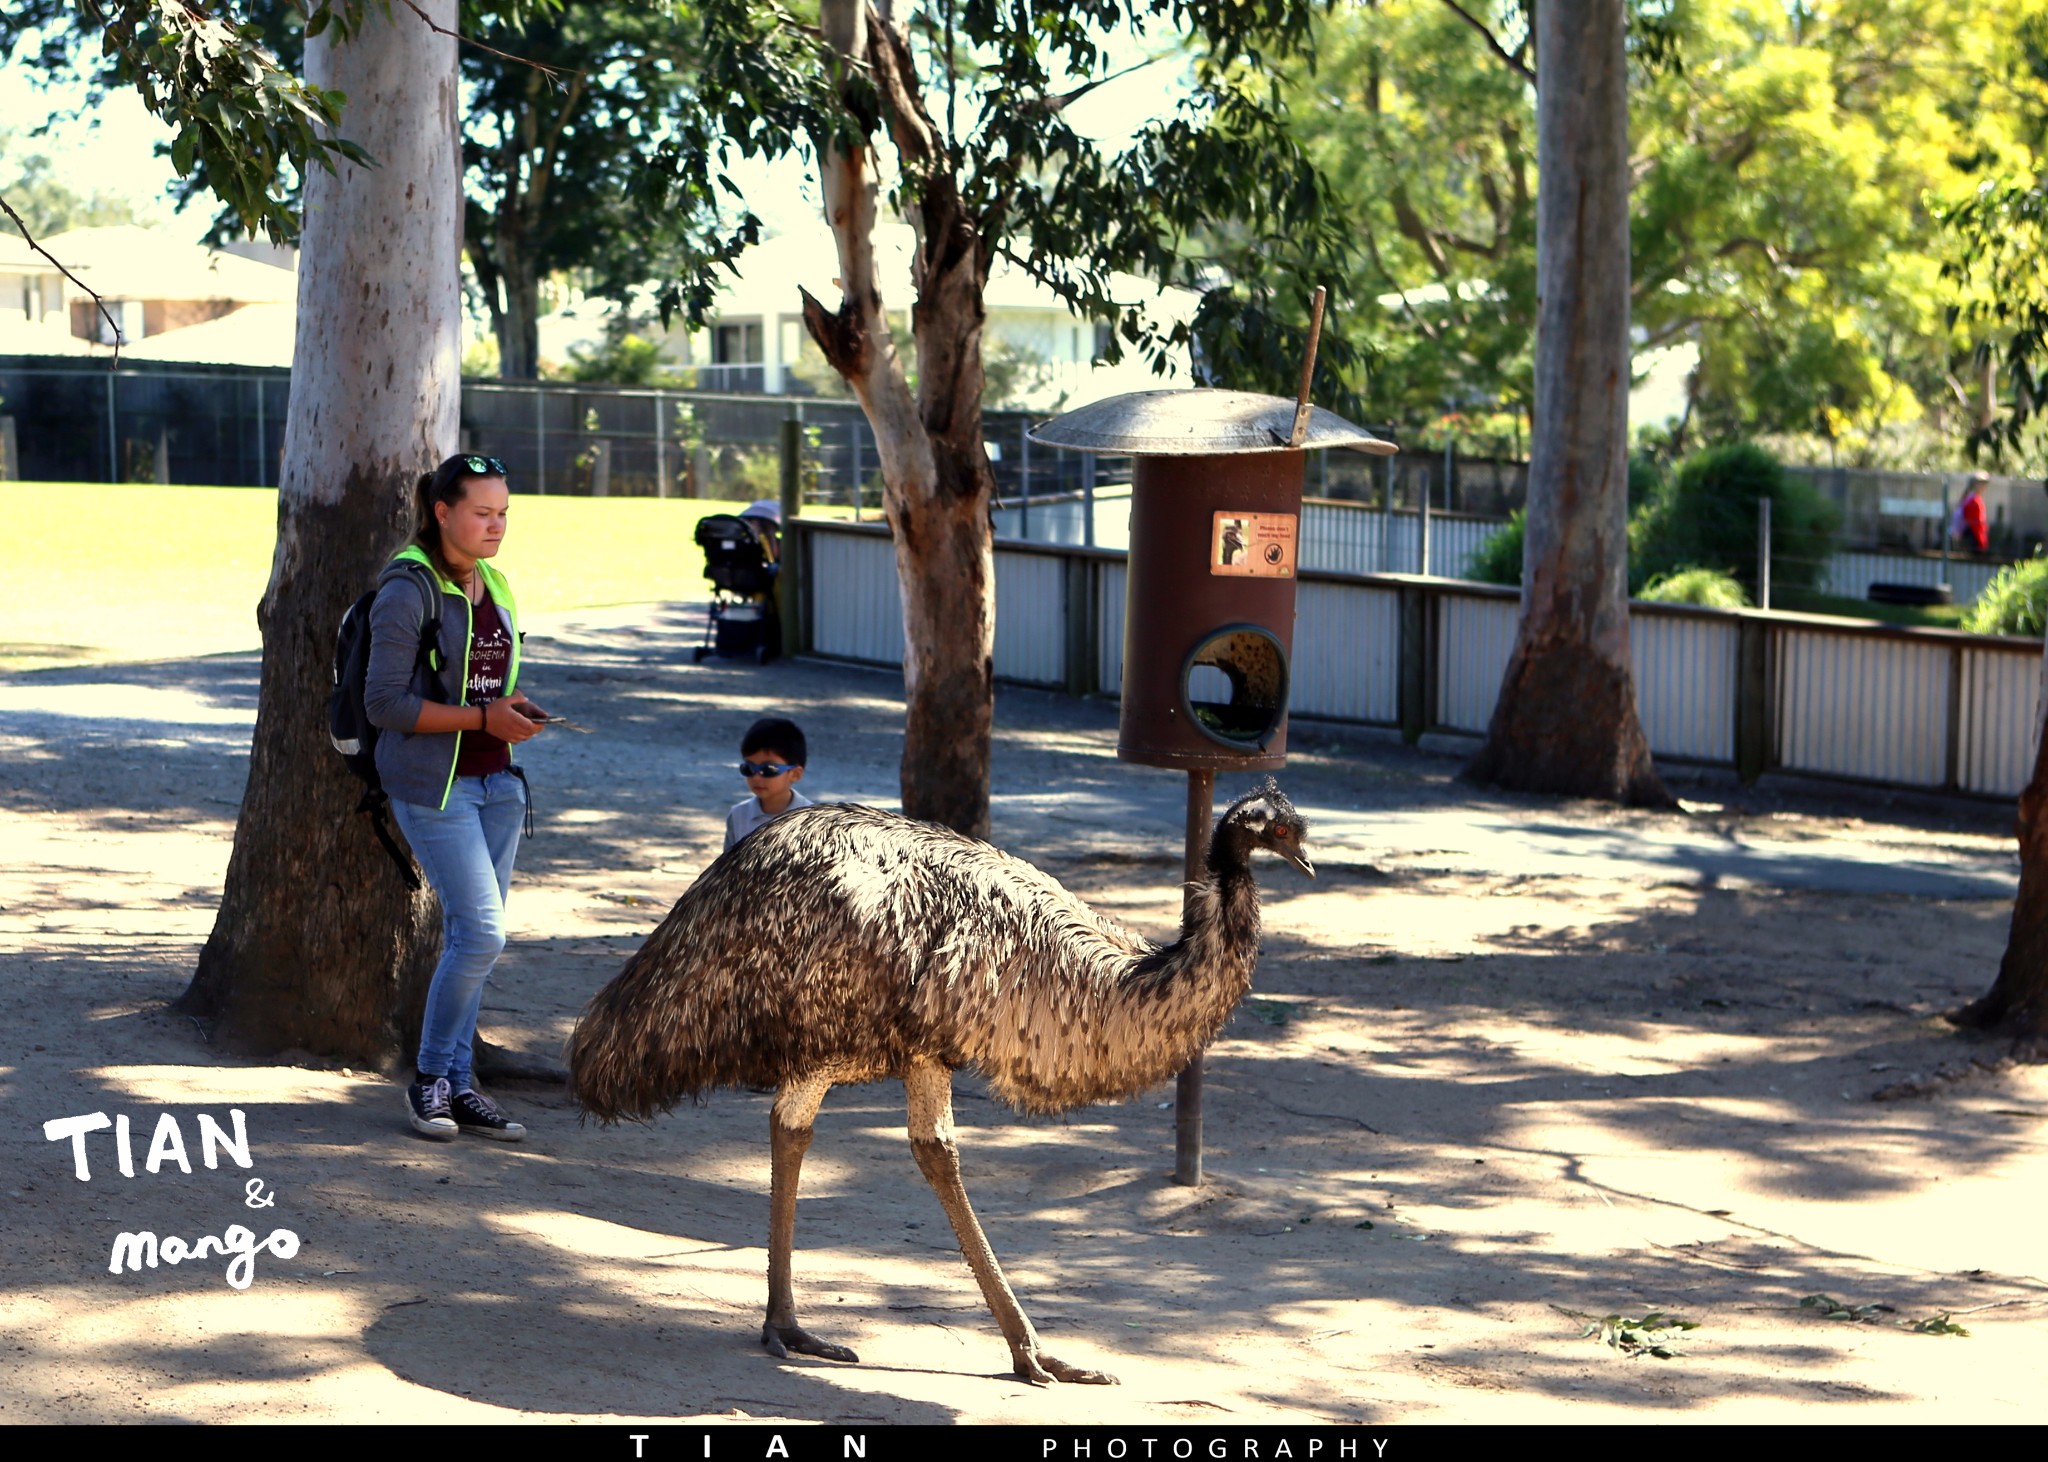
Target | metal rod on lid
(1308,368)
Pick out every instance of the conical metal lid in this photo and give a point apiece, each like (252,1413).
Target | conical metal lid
(1199,423)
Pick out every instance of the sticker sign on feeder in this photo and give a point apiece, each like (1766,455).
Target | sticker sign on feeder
(1209,590)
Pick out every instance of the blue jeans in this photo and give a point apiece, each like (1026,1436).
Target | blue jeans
(465,849)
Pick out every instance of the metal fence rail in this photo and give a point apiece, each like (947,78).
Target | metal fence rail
(1877,704)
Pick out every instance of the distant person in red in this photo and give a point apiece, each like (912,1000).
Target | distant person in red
(1968,521)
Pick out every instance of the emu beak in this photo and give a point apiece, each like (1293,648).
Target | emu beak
(1299,859)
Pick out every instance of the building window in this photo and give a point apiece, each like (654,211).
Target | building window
(736,344)
(1102,338)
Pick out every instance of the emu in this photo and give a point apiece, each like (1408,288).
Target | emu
(906,950)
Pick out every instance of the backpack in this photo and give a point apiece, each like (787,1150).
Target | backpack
(349,725)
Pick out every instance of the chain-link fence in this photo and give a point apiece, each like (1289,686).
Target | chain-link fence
(80,422)
(145,422)
(77,421)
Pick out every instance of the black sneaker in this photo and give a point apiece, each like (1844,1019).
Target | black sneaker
(427,1104)
(475,1112)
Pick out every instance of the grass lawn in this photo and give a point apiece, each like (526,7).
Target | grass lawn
(95,572)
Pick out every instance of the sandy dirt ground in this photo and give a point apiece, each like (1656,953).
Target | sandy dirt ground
(1472,1108)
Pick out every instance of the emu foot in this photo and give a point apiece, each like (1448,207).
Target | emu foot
(1041,1369)
(780,1340)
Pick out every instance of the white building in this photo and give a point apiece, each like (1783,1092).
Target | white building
(156,290)
(33,317)
(757,341)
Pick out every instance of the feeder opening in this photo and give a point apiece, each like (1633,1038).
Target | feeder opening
(1234,686)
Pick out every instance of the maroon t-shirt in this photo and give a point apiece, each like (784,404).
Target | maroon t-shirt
(490,658)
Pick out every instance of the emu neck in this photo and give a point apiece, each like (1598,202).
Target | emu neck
(1181,995)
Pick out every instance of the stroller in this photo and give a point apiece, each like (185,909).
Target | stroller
(740,556)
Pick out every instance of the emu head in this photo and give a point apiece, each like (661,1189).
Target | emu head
(1265,818)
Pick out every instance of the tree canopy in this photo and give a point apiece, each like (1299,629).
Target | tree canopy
(1789,166)
(1209,195)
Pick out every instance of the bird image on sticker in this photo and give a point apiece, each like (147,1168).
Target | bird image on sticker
(1253,545)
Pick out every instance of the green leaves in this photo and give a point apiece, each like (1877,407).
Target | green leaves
(1834,1309)
(238,114)
(1651,1334)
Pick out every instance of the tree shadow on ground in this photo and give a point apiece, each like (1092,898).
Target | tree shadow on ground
(1470,1110)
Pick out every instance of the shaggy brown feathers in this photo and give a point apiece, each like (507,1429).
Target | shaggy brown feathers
(839,939)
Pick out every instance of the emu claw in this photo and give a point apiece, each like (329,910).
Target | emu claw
(1042,1369)
(780,1340)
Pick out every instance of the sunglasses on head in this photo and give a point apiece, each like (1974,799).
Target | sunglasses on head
(763,769)
(484,466)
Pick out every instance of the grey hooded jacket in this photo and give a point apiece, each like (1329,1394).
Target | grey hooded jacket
(416,767)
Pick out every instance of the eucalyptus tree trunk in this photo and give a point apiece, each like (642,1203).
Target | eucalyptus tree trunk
(318,945)
(2017,1002)
(937,483)
(1566,718)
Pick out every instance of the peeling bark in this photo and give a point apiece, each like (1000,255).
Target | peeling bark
(318,945)
(1566,719)
(935,469)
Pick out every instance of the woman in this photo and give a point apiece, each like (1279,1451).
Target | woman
(445,757)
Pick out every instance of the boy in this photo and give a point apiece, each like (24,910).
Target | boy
(772,757)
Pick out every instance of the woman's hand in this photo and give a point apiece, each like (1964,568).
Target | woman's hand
(504,720)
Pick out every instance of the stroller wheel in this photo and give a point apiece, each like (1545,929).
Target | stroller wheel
(761,655)
(698,652)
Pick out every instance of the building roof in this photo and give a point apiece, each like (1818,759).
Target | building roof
(255,335)
(16,257)
(128,261)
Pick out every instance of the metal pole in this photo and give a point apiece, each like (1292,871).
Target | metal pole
(1088,499)
(113,435)
(660,447)
(260,448)
(1763,553)
(1945,534)
(1387,519)
(799,413)
(1422,527)
(790,568)
(1024,477)
(540,451)
(853,455)
(1187,1087)
(1450,469)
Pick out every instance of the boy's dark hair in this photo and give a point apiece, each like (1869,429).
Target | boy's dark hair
(779,735)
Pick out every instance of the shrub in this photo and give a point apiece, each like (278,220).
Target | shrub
(1706,517)
(625,359)
(1645,479)
(2015,602)
(1498,558)
(1696,586)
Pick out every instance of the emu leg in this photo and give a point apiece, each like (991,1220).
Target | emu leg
(789,1134)
(929,1090)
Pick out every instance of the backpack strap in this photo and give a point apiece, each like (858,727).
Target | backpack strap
(430,609)
(377,803)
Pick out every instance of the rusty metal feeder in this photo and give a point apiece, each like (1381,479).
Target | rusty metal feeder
(1209,594)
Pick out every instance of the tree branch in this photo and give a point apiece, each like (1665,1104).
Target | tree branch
(545,169)
(455,35)
(29,239)
(1508,58)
